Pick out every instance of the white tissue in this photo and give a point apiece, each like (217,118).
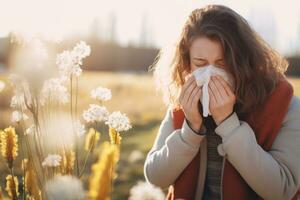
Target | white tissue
(202,76)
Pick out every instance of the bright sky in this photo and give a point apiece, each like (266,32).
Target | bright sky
(55,18)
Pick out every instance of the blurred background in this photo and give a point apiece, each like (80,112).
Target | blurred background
(125,37)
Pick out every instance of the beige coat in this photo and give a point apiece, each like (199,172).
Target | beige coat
(272,175)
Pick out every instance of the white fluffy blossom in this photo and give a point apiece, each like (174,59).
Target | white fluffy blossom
(143,190)
(18,101)
(22,97)
(79,128)
(30,130)
(52,160)
(54,90)
(2,86)
(101,94)
(95,113)
(64,188)
(118,121)
(18,116)
(66,64)
(82,50)
(69,62)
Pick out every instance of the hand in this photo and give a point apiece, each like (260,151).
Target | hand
(222,99)
(188,99)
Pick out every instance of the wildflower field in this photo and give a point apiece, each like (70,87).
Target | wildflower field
(131,93)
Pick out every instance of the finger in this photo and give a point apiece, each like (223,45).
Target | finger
(220,87)
(186,85)
(189,91)
(187,77)
(189,80)
(227,88)
(192,96)
(215,90)
(222,82)
(186,94)
(212,99)
(196,97)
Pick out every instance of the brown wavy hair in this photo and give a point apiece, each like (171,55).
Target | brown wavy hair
(254,65)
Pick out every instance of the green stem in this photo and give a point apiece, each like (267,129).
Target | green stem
(87,155)
(14,193)
(72,119)
(24,175)
(29,152)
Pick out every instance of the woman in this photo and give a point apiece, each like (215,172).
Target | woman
(248,148)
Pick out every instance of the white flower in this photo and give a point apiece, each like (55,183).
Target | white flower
(52,160)
(118,121)
(30,130)
(143,190)
(79,128)
(66,65)
(135,156)
(95,113)
(101,94)
(18,101)
(82,50)
(2,86)
(69,62)
(54,90)
(64,188)
(22,96)
(18,116)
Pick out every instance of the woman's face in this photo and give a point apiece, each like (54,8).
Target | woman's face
(204,51)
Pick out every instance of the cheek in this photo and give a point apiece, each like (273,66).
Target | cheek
(193,68)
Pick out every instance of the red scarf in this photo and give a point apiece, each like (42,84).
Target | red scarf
(265,121)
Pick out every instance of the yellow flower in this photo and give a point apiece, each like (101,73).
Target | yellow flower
(30,181)
(28,197)
(115,137)
(68,159)
(91,139)
(24,165)
(102,173)
(12,187)
(9,145)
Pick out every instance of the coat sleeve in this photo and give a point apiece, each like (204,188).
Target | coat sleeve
(274,174)
(172,151)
